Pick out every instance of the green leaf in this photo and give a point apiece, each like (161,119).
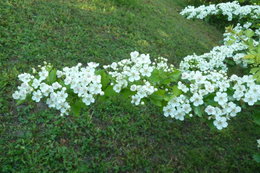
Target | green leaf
(230,42)
(209,99)
(157,98)
(230,62)
(168,97)
(250,43)
(249,33)
(256,118)
(198,111)
(155,76)
(176,75)
(52,76)
(254,70)
(169,77)
(19,102)
(109,91)
(105,78)
(159,95)
(126,93)
(256,157)
(157,102)
(176,91)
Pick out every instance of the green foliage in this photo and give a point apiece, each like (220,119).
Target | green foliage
(256,117)
(206,2)
(128,3)
(253,55)
(105,78)
(257,157)
(198,111)
(158,98)
(160,77)
(52,77)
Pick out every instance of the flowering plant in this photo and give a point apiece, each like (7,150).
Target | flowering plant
(230,9)
(201,86)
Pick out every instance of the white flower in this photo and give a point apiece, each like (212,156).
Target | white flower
(210,110)
(146,70)
(234,111)
(209,87)
(183,87)
(88,99)
(250,98)
(117,88)
(45,89)
(258,143)
(25,77)
(91,65)
(133,76)
(196,99)
(43,74)
(179,115)
(135,100)
(59,73)
(113,65)
(36,83)
(16,95)
(133,87)
(230,107)
(220,122)
(37,95)
(168,111)
(186,108)
(134,54)
(56,85)
(221,98)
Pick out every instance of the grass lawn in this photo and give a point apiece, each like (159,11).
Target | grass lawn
(111,136)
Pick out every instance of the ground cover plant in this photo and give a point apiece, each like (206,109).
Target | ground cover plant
(115,135)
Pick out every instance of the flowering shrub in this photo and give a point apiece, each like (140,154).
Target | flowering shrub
(61,89)
(201,86)
(230,9)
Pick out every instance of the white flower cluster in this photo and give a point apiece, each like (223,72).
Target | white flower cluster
(215,59)
(229,9)
(236,38)
(207,83)
(142,91)
(129,72)
(178,107)
(37,88)
(219,94)
(245,89)
(82,81)
(24,88)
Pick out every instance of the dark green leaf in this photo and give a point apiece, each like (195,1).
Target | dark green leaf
(109,91)
(105,78)
(198,111)
(256,117)
(256,157)
(126,93)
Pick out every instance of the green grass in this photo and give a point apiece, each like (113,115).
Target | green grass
(111,136)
